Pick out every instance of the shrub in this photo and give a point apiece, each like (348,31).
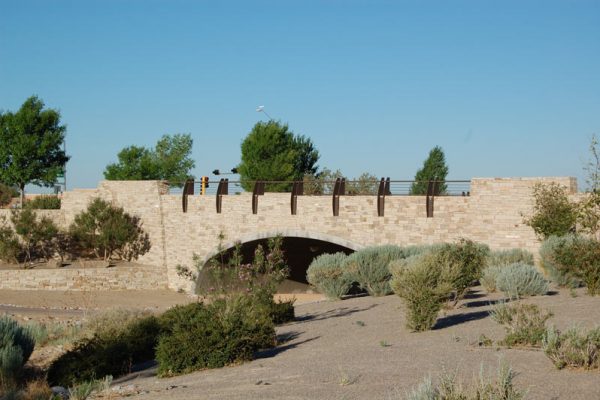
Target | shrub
(108,352)
(507,257)
(36,234)
(418,281)
(369,267)
(525,324)
(518,280)
(580,258)
(16,346)
(44,202)
(109,231)
(489,277)
(327,273)
(553,213)
(6,194)
(573,348)
(213,335)
(282,311)
(10,249)
(561,275)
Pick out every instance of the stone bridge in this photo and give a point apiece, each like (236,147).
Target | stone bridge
(491,214)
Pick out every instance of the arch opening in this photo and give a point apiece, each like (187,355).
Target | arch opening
(299,252)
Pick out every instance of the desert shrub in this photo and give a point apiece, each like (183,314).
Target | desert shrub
(525,324)
(44,202)
(461,264)
(6,194)
(108,231)
(109,352)
(10,248)
(369,267)
(213,335)
(553,213)
(16,346)
(327,273)
(558,274)
(573,348)
(282,311)
(579,257)
(489,276)
(485,388)
(518,280)
(37,390)
(36,235)
(588,213)
(83,390)
(418,281)
(511,256)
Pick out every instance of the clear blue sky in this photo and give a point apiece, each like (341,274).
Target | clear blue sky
(507,88)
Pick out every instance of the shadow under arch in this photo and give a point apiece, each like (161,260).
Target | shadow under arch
(300,248)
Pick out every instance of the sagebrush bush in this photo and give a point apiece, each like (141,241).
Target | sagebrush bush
(44,202)
(16,346)
(511,256)
(573,348)
(518,280)
(328,274)
(489,277)
(553,213)
(579,257)
(418,281)
(525,324)
(108,231)
(213,335)
(560,275)
(369,267)
(111,351)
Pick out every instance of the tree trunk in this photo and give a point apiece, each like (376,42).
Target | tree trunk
(22,190)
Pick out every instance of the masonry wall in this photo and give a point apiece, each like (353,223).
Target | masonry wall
(492,214)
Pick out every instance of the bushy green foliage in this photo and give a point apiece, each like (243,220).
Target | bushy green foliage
(36,234)
(327,273)
(434,168)
(10,248)
(108,231)
(282,311)
(557,274)
(6,194)
(525,324)
(418,281)
(573,348)
(369,267)
(553,213)
(16,346)
(489,277)
(518,280)
(44,202)
(502,388)
(588,213)
(111,351)
(213,335)
(579,257)
(272,152)
(511,256)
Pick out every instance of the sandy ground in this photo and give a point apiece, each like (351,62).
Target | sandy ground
(352,349)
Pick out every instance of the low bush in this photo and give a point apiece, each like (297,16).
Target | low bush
(10,248)
(109,232)
(553,213)
(489,277)
(44,202)
(16,346)
(213,335)
(518,280)
(485,388)
(109,352)
(6,194)
(525,324)
(560,275)
(37,234)
(369,267)
(418,281)
(328,274)
(282,311)
(511,256)
(579,257)
(573,348)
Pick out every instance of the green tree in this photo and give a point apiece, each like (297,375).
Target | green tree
(32,146)
(272,152)
(434,168)
(170,160)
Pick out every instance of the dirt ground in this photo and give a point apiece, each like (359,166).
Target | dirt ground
(359,349)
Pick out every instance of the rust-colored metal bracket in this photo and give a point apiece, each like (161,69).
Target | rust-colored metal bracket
(259,190)
(188,189)
(222,190)
(339,189)
(432,191)
(384,190)
(297,190)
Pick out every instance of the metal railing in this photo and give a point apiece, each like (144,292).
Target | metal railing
(382,188)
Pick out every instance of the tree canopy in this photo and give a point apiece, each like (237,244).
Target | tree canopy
(274,153)
(169,160)
(434,168)
(32,146)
